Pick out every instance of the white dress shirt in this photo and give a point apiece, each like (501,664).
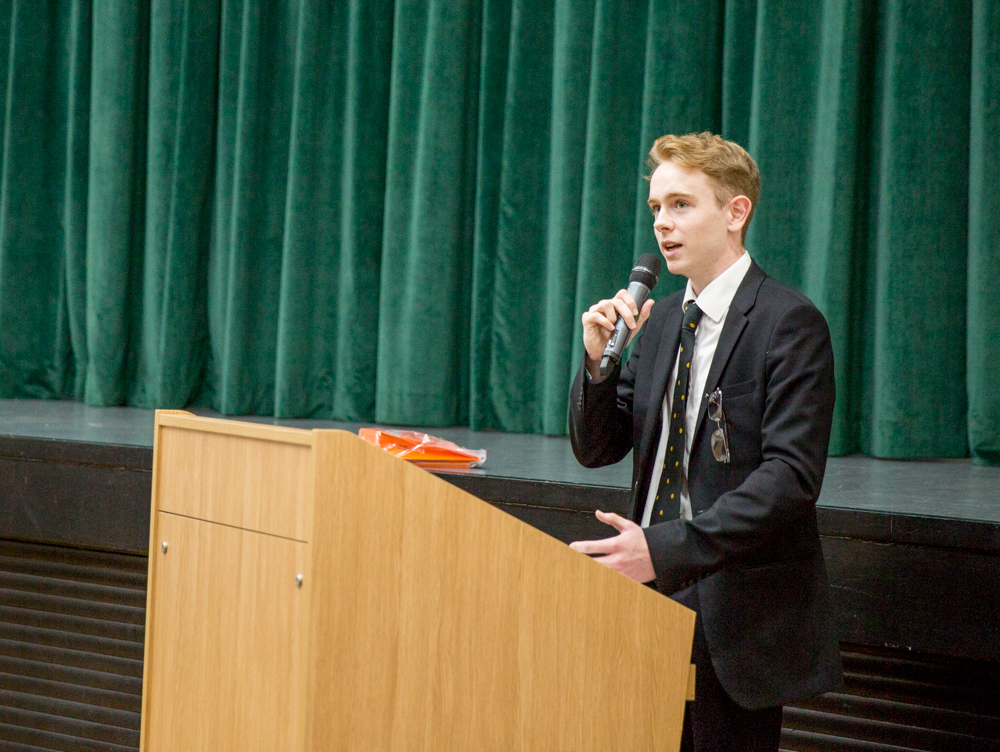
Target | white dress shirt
(714,301)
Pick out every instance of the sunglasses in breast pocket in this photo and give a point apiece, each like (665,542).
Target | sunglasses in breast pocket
(720,437)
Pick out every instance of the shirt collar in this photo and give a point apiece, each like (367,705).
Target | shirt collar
(718,294)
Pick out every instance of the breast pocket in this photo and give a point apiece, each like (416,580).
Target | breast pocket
(743,418)
(740,389)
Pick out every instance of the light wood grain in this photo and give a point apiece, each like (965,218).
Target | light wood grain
(458,627)
(246,429)
(257,481)
(428,620)
(227,654)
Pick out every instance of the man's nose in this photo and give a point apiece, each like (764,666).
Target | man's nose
(662,220)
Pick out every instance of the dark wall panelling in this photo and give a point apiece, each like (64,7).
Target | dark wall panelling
(896,701)
(935,600)
(78,494)
(71,648)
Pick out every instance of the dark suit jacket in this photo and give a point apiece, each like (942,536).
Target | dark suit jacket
(753,546)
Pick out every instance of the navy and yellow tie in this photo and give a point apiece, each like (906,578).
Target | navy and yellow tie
(668,494)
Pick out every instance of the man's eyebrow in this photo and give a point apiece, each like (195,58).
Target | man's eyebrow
(669,196)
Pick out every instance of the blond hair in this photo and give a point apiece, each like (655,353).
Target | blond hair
(731,170)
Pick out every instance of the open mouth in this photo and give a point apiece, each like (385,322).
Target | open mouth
(668,247)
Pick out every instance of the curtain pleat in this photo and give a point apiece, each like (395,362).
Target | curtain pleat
(983,313)
(572,54)
(74,143)
(397,210)
(425,296)
(362,186)
(116,192)
(35,352)
(681,92)
(309,295)
(520,256)
(609,184)
(494,52)
(174,352)
(917,325)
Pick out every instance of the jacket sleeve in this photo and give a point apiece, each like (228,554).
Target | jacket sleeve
(600,415)
(795,435)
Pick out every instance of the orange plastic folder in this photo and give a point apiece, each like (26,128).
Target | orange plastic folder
(423,449)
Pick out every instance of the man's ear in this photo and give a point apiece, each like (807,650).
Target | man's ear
(738,209)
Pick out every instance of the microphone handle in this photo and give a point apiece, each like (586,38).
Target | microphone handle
(619,337)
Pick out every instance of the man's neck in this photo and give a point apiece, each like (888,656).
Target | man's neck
(727,260)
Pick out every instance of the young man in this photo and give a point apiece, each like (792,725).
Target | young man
(727,402)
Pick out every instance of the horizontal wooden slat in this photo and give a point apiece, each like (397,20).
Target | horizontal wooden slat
(106,719)
(77,625)
(43,740)
(6,746)
(919,716)
(116,570)
(59,656)
(48,584)
(805,741)
(79,733)
(72,693)
(884,732)
(935,670)
(72,641)
(87,609)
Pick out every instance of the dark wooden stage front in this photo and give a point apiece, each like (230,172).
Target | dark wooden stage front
(913,550)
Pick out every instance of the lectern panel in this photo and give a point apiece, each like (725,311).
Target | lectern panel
(249,483)
(458,627)
(426,620)
(225,666)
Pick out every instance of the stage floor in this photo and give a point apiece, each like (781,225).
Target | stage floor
(945,489)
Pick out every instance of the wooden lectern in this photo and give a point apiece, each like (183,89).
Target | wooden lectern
(307,591)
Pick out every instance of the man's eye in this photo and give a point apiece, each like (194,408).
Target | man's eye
(681,204)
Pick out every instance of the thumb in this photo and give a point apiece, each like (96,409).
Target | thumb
(644,313)
(641,319)
(616,521)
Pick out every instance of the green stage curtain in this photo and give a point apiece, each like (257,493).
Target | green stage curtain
(397,210)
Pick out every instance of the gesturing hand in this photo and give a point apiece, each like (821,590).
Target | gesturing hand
(626,552)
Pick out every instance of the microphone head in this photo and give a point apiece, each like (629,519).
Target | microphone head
(646,270)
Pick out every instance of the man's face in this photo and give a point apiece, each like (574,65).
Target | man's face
(691,228)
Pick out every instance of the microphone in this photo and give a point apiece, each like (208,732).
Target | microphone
(640,282)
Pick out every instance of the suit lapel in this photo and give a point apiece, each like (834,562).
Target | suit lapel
(736,321)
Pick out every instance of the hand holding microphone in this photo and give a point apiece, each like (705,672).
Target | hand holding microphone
(609,325)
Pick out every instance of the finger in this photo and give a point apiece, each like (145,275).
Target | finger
(611,562)
(602,546)
(598,320)
(627,298)
(618,522)
(605,308)
(613,309)
(624,310)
